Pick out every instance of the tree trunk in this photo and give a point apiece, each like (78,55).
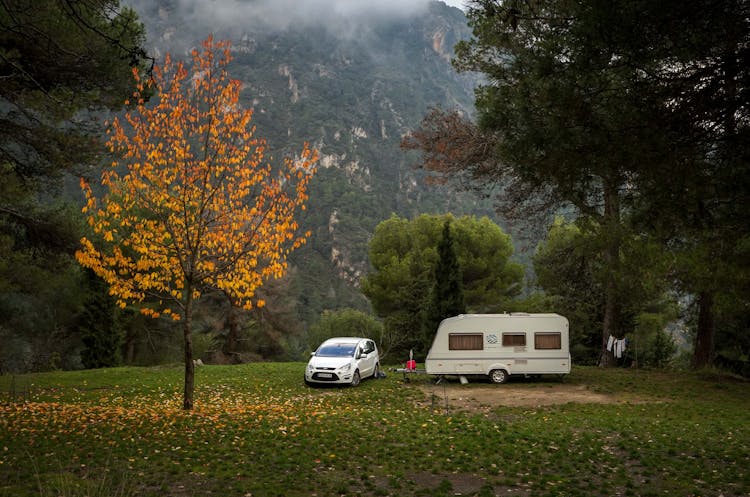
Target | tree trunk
(233,334)
(703,355)
(189,366)
(611,225)
(130,337)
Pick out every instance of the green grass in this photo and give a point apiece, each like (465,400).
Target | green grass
(258,430)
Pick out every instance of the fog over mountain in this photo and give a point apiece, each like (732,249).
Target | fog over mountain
(341,18)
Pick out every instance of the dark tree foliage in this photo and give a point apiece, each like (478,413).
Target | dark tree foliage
(447,296)
(695,57)
(623,110)
(733,347)
(61,61)
(63,65)
(560,128)
(569,269)
(566,269)
(101,337)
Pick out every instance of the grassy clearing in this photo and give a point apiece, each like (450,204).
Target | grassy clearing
(258,430)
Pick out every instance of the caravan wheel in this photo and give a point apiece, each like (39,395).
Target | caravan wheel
(498,376)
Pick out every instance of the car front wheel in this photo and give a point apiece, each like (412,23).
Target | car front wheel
(355,378)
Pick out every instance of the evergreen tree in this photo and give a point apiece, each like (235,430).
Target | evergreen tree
(405,254)
(447,296)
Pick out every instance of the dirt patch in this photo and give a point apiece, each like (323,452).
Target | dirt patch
(453,484)
(481,398)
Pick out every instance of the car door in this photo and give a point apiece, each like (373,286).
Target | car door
(372,356)
(371,359)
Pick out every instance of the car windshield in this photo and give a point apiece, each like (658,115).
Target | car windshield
(337,350)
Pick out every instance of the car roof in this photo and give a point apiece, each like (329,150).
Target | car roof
(345,340)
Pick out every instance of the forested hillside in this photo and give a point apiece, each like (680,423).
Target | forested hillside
(352,85)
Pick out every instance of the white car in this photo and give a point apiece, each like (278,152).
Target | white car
(344,360)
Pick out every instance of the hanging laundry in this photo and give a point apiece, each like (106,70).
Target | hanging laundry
(620,346)
(617,346)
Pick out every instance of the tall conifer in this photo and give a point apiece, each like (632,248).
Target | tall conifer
(447,296)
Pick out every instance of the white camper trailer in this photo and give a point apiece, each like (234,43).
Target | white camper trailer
(500,345)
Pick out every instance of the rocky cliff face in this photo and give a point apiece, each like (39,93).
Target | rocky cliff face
(353,88)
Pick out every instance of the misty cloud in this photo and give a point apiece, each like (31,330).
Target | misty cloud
(339,17)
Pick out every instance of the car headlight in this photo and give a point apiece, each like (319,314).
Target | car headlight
(346,367)
(310,367)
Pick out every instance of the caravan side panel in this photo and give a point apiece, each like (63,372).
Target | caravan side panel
(515,343)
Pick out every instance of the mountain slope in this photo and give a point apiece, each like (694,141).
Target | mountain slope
(353,84)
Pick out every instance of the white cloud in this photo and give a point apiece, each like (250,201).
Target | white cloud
(459,4)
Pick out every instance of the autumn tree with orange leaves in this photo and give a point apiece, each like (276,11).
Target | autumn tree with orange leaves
(191,203)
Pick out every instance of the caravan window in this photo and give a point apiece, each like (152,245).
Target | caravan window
(547,341)
(465,341)
(514,339)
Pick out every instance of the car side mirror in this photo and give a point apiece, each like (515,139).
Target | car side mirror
(358,355)
(312,354)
